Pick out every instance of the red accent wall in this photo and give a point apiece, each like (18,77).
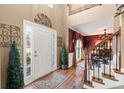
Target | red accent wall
(90,41)
(73,36)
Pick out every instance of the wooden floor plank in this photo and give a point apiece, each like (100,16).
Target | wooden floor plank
(74,78)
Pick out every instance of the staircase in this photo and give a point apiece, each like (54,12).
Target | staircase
(103,64)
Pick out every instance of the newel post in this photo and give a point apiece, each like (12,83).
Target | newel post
(119,60)
(85,70)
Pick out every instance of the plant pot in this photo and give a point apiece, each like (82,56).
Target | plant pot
(64,66)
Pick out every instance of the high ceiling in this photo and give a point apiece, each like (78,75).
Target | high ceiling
(92,14)
(95,27)
(92,21)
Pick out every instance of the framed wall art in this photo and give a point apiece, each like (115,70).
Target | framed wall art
(8,34)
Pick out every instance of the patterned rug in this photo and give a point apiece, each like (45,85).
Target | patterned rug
(50,82)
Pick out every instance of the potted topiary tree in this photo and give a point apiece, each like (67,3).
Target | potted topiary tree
(14,70)
(64,57)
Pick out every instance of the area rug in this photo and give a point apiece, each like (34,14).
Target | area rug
(50,82)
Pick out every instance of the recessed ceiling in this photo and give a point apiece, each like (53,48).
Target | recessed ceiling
(95,27)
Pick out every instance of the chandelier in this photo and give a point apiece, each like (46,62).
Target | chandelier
(103,36)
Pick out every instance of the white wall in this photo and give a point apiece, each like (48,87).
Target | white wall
(70,60)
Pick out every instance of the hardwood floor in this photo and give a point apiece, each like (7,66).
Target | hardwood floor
(73,80)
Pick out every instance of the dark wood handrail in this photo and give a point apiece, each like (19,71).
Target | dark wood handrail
(87,75)
(104,40)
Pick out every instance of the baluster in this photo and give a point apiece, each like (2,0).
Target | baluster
(98,62)
(104,57)
(116,52)
(110,57)
(88,68)
(119,40)
(93,66)
(107,45)
(85,71)
(96,59)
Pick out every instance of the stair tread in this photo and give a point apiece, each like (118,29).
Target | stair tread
(118,71)
(107,76)
(98,80)
(89,83)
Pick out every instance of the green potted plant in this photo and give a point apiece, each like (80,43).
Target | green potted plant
(64,57)
(14,70)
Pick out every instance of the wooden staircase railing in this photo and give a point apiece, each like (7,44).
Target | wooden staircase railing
(99,58)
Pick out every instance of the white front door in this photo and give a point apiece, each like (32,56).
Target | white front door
(42,52)
(40,45)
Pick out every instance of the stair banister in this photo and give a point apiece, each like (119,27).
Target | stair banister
(94,48)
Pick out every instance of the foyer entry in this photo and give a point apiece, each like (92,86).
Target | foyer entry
(39,51)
